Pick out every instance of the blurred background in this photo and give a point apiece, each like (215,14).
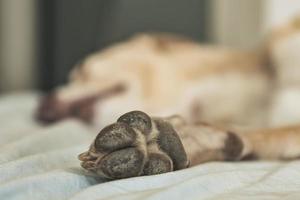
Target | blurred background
(41,40)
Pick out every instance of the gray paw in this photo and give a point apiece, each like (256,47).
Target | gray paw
(157,164)
(135,145)
(169,142)
(124,163)
(138,120)
(115,136)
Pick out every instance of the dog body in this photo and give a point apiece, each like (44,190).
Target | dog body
(284,52)
(163,75)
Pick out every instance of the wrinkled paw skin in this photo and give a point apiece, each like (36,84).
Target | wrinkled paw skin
(158,164)
(133,146)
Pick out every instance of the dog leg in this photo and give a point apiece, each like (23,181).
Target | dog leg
(205,143)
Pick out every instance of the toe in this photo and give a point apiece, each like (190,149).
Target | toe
(114,137)
(158,164)
(88,165)
(170,143)
(138,120)
(85,156)
(122,164)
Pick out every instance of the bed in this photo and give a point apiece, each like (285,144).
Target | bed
(40,162)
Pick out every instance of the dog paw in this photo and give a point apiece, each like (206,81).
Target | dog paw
(135,145)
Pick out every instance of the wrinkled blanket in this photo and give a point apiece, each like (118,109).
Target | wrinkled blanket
(40,162)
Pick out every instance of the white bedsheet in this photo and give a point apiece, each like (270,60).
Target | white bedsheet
(41,163)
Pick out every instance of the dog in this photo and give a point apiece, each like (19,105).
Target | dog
(235,93)
(162,75)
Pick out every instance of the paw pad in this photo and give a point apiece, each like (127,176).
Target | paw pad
(115,136)
(138,120)
(122,149)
